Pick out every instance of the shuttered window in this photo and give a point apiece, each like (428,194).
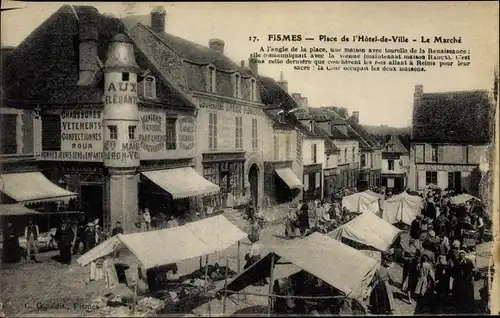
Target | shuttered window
(8,137)
(51,133)
(171,138)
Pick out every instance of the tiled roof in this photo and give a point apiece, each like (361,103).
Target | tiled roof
(463,116)
(323,114)
(272,94)
(366,136)
(330,147)
(395,145)
(44,68)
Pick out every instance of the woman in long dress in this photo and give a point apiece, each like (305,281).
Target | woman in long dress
(426,277)
(381,298)
(11,249)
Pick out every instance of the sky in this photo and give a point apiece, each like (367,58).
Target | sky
(382,98)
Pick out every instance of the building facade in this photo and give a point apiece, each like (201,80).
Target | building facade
(450,135)
(229,110)
(395,165)
(113,128)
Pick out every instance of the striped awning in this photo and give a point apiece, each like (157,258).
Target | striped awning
(289,177)
(29,187)
(182,182)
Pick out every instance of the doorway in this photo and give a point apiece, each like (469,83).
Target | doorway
(91,201)
(253,179)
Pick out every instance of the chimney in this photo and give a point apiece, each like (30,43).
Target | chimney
(303,102)
(253,66)
(283,82)
(216,44)
(87,49)
(419,91)
(242,63)
(355,116)
(296,97)
(158,17)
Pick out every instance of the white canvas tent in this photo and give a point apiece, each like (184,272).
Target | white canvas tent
(368,229)
(402,208)
(361,202)
(156,248)
(342,267)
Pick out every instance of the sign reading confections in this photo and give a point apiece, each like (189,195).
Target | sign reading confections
(81,137)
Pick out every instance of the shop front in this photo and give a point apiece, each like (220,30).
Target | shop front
(313,188)
(330,184)
(395,182)
(226,170)
(281,184)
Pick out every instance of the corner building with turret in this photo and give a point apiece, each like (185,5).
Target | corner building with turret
(104,119)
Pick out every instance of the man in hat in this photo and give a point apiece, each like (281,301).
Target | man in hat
(416,227)
(443,276)
(31,233)
(89,237)
(64,237)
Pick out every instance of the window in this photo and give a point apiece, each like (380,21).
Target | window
(276,147)
(363,160)
(8,134)
(431,177)
(311,126)
(238,132)
(237,86)
(317,182)
(51,132)
(371,160)
(149,87)
(113,132)
(434,153)
(212,131)
(353,154)
(255,134)
(345,155)
(313,153)
(211,79)
(171,136)
(131,132)
(390,164)
(287,147)
(451,180)
(125,77)
(253,90)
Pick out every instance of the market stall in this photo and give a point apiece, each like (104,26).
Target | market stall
(361,202)
(367,230)
(402,208)
(330,276)
(463,198)
(155,253)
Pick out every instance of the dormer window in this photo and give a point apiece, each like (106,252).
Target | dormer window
(149,87)
(237,85)
(125,76)
(253,90)
(311,126)
(211,80)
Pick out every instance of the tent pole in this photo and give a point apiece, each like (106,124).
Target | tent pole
(206,282)
(271,280)
(239,245)
(225,287)
(135,290)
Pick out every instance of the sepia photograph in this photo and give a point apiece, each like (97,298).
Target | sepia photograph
(249,159)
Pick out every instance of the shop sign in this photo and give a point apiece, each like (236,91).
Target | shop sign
(81,137)
(230,107)
(121,154)
(186,134)
(152,132)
